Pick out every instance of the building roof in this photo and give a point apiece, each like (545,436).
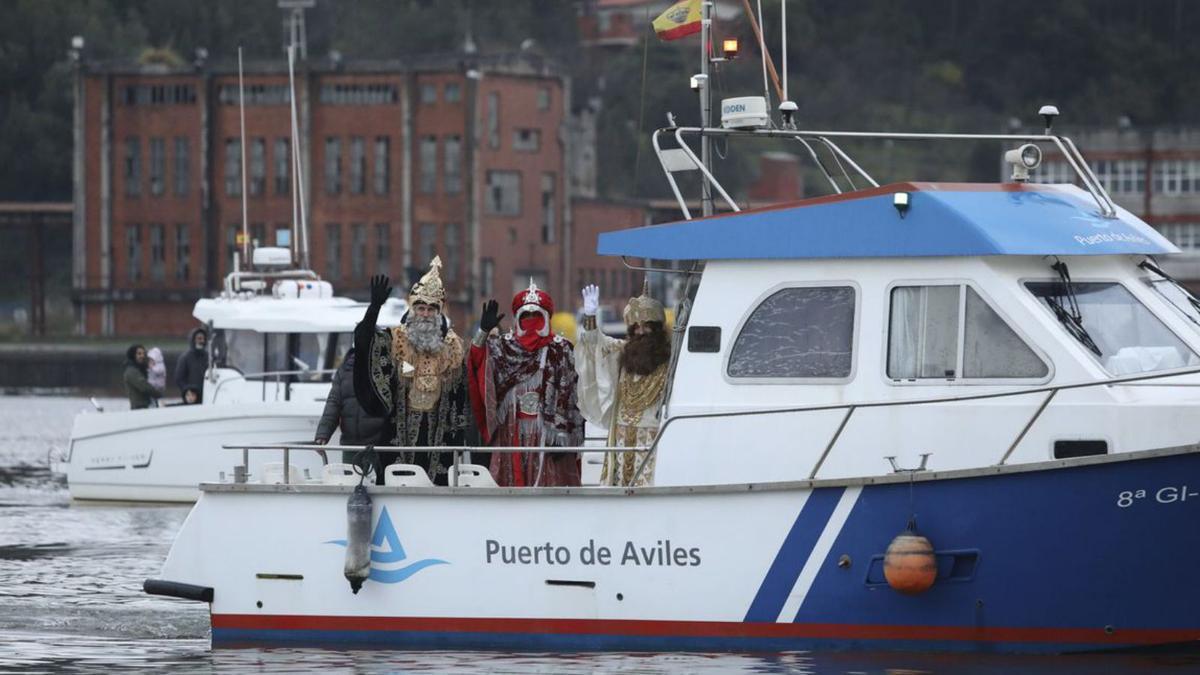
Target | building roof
(944,219)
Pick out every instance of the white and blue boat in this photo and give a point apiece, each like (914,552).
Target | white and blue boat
(1006,364)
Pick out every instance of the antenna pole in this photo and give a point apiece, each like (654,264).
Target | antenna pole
(706,200)
(242,142)
(302,225)
(784,55)
(762,48)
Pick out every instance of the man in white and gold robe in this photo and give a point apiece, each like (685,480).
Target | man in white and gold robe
(622,383)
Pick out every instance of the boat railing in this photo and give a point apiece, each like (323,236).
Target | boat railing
(457,450)
(234,280)
(276,376)
(683,158)
(1050,392)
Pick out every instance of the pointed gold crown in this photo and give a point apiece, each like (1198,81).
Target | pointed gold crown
(644,308)
(429,289)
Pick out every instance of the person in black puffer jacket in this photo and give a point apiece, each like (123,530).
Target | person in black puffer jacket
(191,366)
(342,409)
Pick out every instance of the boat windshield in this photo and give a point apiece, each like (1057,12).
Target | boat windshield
(258,355)
(1128,338)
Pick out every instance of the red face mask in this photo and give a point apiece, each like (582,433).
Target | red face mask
(531,324)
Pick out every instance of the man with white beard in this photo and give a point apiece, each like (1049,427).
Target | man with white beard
(414,374)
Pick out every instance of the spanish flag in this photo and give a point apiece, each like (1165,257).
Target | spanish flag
(680,20)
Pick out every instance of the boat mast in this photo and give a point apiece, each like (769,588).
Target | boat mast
(242,143)
(706,200)
(298,203)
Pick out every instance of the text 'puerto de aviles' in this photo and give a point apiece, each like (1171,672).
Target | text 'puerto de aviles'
(661,553)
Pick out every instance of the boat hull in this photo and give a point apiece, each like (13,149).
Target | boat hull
(1058,557)
(163,454)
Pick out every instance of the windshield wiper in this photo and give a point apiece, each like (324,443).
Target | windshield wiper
(1195,303)
(1070,316)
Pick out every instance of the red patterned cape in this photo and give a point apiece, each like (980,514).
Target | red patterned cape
(500,372)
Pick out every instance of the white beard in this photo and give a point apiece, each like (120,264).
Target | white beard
(425,333)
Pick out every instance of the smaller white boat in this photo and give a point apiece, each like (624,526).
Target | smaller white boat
(275,340)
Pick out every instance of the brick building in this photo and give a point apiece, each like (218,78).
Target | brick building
(400,160)
(1153,173)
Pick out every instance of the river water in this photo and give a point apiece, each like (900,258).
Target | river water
(71,598)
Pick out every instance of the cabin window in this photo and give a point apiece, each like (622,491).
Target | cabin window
(950,332)
(1178,297)
(1114,326)
(797,333)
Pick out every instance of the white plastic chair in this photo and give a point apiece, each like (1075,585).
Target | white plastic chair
(406,475)
(471,475)
(272,473)
(339,474)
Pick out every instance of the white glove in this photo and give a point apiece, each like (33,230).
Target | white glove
(591,300)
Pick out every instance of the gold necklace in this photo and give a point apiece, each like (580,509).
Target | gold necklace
(636,396)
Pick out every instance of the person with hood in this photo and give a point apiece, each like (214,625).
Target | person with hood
(191,366)
(342,409)
(137,385)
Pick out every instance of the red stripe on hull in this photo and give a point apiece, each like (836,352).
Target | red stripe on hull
(1097,636)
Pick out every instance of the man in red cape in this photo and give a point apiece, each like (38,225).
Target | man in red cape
(522,387)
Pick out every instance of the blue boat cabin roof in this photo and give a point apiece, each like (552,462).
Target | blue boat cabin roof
(943,219)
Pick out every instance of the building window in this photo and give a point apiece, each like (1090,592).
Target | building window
(383,165)
(333,165)
(160,94)
(428,164)
(543,98)
(428,93)
(233,167)
(383,248)
(358,165)
(527,140)
(133,167)
(452,147)
(133,240)
(453,251)
(283,166)
(426,243)
(549,209)
(358,251)
(504,193)
(487,272)
(1184,235)
(158,166)
(183,165)
(183,252)
(232,246)
(453,92)
(333,251)
(493,120)
(283,235)
(158,252)
(359,94)
(258,236)
(258,166)
(255,94)
(803,332)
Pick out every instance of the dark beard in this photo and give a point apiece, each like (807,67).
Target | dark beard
(643,354)
(425,334)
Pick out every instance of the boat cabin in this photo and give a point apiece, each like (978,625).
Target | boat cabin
(844,336)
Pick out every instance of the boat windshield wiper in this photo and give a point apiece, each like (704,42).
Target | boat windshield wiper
(1069,316)
(1192,300)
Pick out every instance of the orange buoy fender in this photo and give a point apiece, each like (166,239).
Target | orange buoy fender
(909,565)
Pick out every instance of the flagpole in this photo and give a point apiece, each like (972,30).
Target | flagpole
(706,200)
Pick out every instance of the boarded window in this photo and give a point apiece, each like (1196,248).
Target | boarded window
(797,333)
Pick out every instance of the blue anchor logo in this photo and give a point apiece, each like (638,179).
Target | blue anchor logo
(386,549)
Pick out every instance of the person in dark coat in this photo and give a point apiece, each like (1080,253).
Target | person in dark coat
(137,385)
(343,410)
(191,366)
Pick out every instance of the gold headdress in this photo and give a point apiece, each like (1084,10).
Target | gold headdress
(644,308)
(429,289)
